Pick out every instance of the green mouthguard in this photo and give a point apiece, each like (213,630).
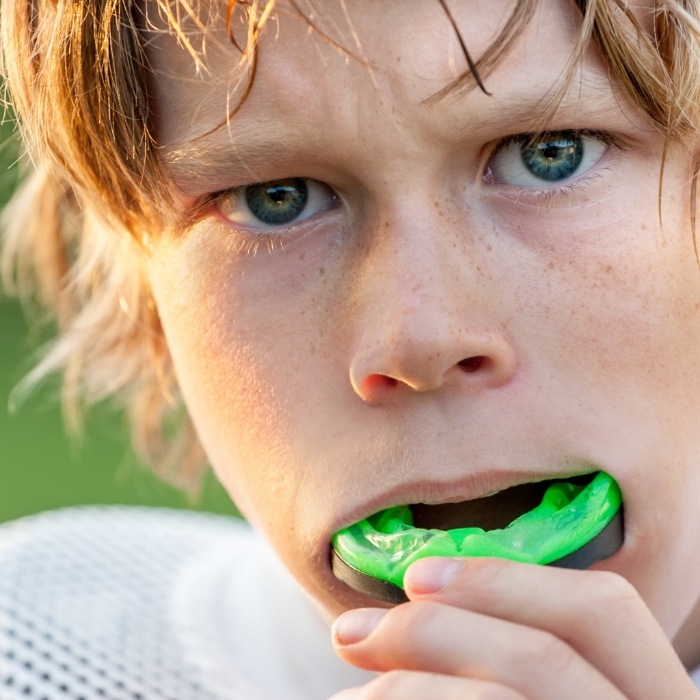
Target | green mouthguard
(569,517)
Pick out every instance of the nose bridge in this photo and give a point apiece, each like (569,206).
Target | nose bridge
(416,282)
(426,309)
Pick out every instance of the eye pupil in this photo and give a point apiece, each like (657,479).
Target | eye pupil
(280,194)
(554,159)
(278,202)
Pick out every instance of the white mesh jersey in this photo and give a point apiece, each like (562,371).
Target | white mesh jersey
(122,603)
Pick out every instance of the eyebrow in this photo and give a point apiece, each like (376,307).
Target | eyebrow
(233,149)
(591,85)
(251,140)
(226,157)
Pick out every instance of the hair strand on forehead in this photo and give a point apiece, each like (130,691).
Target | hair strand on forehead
(478,69)
(470,61)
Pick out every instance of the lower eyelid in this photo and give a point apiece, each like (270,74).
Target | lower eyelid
(562,196)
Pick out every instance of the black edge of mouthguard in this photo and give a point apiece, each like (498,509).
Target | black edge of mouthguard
(361,582)
(602,546)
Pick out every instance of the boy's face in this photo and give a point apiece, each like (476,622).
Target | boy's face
(420,311)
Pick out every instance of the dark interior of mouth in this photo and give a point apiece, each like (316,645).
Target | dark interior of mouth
(491,512)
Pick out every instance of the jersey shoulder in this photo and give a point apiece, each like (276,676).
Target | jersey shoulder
(88,603)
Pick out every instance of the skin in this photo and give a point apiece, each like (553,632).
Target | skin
(433,333)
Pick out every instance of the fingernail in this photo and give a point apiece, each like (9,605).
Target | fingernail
(353,626)
(432,575)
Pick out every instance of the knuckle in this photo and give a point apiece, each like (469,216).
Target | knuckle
(614,591)
(548,652)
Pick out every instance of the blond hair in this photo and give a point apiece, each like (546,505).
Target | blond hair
(75,231)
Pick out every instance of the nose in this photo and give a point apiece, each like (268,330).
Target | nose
(429,319)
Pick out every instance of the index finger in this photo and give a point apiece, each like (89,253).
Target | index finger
(597,613)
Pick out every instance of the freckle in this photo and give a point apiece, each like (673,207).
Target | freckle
(302,256)
(321,271)
(489,248)
(550,265)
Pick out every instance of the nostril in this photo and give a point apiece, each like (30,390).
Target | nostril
(472,364)
(378,381)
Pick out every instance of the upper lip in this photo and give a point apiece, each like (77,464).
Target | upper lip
(468,488)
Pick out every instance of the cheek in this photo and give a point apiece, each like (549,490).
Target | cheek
(642,350)
(250,344)
(234,407)
(622,301)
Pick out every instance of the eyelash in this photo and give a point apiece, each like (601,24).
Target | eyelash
(250,245)
(547,198)
(604,136)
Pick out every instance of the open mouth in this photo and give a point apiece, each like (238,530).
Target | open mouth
(493,512)
(572,522)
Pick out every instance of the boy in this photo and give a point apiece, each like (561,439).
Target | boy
(375,276)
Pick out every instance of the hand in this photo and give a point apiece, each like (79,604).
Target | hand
(496,629)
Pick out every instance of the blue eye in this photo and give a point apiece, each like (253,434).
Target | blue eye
(553,160)
(276,203)
(528,161)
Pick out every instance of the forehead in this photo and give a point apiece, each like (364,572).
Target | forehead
(383,41)
(352,61)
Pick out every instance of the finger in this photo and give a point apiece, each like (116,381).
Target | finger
(597,613)
(412,685)
(437,638)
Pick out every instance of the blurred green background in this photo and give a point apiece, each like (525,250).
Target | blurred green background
(41,468)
